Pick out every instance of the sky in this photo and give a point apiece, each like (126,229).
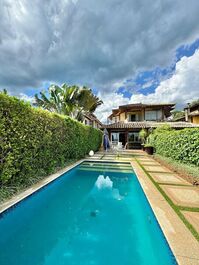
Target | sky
(127,51)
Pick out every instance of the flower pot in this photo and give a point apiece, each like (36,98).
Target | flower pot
(143,147)
(149,150)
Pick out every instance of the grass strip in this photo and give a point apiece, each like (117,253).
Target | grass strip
(174,184)
(176,208)
(188,209)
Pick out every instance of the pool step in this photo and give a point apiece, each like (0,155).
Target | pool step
(105,165)
(99,169)
(116,163)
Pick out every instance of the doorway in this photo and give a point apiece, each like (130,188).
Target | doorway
(118,137)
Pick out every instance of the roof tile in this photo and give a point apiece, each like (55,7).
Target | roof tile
(148,124)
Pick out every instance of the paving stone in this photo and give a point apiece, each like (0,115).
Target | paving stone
(183,196)
(157,169)
(193,218)
(149,162)
(169,178)
(145,158)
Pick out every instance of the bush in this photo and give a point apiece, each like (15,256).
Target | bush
(182,145)
(34,142)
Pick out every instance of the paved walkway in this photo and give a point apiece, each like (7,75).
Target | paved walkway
(183,196)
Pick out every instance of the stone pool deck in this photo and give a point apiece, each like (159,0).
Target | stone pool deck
(175,201)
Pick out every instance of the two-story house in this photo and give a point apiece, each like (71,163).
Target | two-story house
(125,122)
(192,112)
(91,120)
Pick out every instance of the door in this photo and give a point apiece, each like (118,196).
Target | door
(133,140)
(118,137)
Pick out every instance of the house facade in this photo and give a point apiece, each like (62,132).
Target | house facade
(91,120)
(192,112)
(125,123)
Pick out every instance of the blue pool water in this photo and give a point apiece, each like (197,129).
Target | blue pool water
(84,218)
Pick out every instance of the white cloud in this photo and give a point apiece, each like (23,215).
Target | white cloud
(111,101)
(181,88)
(96,43)
(26,97)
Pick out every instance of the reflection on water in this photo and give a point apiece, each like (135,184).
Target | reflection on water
(106,185)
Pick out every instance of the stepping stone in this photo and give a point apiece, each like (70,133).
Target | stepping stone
(141,159)
(150,163)
(192,218)
(106,158)
(169,178)
(183,196)
(157,169)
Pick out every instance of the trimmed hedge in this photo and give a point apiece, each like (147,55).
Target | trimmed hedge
(182,145)
(34,142)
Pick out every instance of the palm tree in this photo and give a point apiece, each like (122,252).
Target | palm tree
(88,100)
(53,103)
(68,100)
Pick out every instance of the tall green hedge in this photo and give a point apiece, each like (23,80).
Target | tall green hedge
(33,142)
(182,145)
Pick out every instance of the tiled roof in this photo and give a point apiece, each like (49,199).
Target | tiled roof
(147,105)
(194,113)
(92,117)
(148,124)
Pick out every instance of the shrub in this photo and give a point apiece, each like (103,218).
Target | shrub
(182,145)
(34,142)
(143,135)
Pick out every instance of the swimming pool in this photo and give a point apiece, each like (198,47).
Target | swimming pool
(85,217)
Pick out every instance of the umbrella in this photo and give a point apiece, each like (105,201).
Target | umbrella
(106,143)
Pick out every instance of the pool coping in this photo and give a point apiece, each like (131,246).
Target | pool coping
(181,241)
(175,232)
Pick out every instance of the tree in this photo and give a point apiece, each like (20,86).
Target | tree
(88,100)
(68,100)
(4,91)
(178,114)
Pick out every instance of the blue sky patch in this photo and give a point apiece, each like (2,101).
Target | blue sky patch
(147,81)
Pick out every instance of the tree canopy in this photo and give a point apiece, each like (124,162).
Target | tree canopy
(68,100)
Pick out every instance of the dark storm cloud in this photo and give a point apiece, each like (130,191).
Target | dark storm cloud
(97,43)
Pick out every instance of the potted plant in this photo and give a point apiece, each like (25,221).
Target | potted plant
(149,144)
(143,136)
(148,149)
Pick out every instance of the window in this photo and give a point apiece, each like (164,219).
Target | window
(135,116)
(115,119)
(114,137)
(118,137)
(153,115)
(133,137)
(132,117)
